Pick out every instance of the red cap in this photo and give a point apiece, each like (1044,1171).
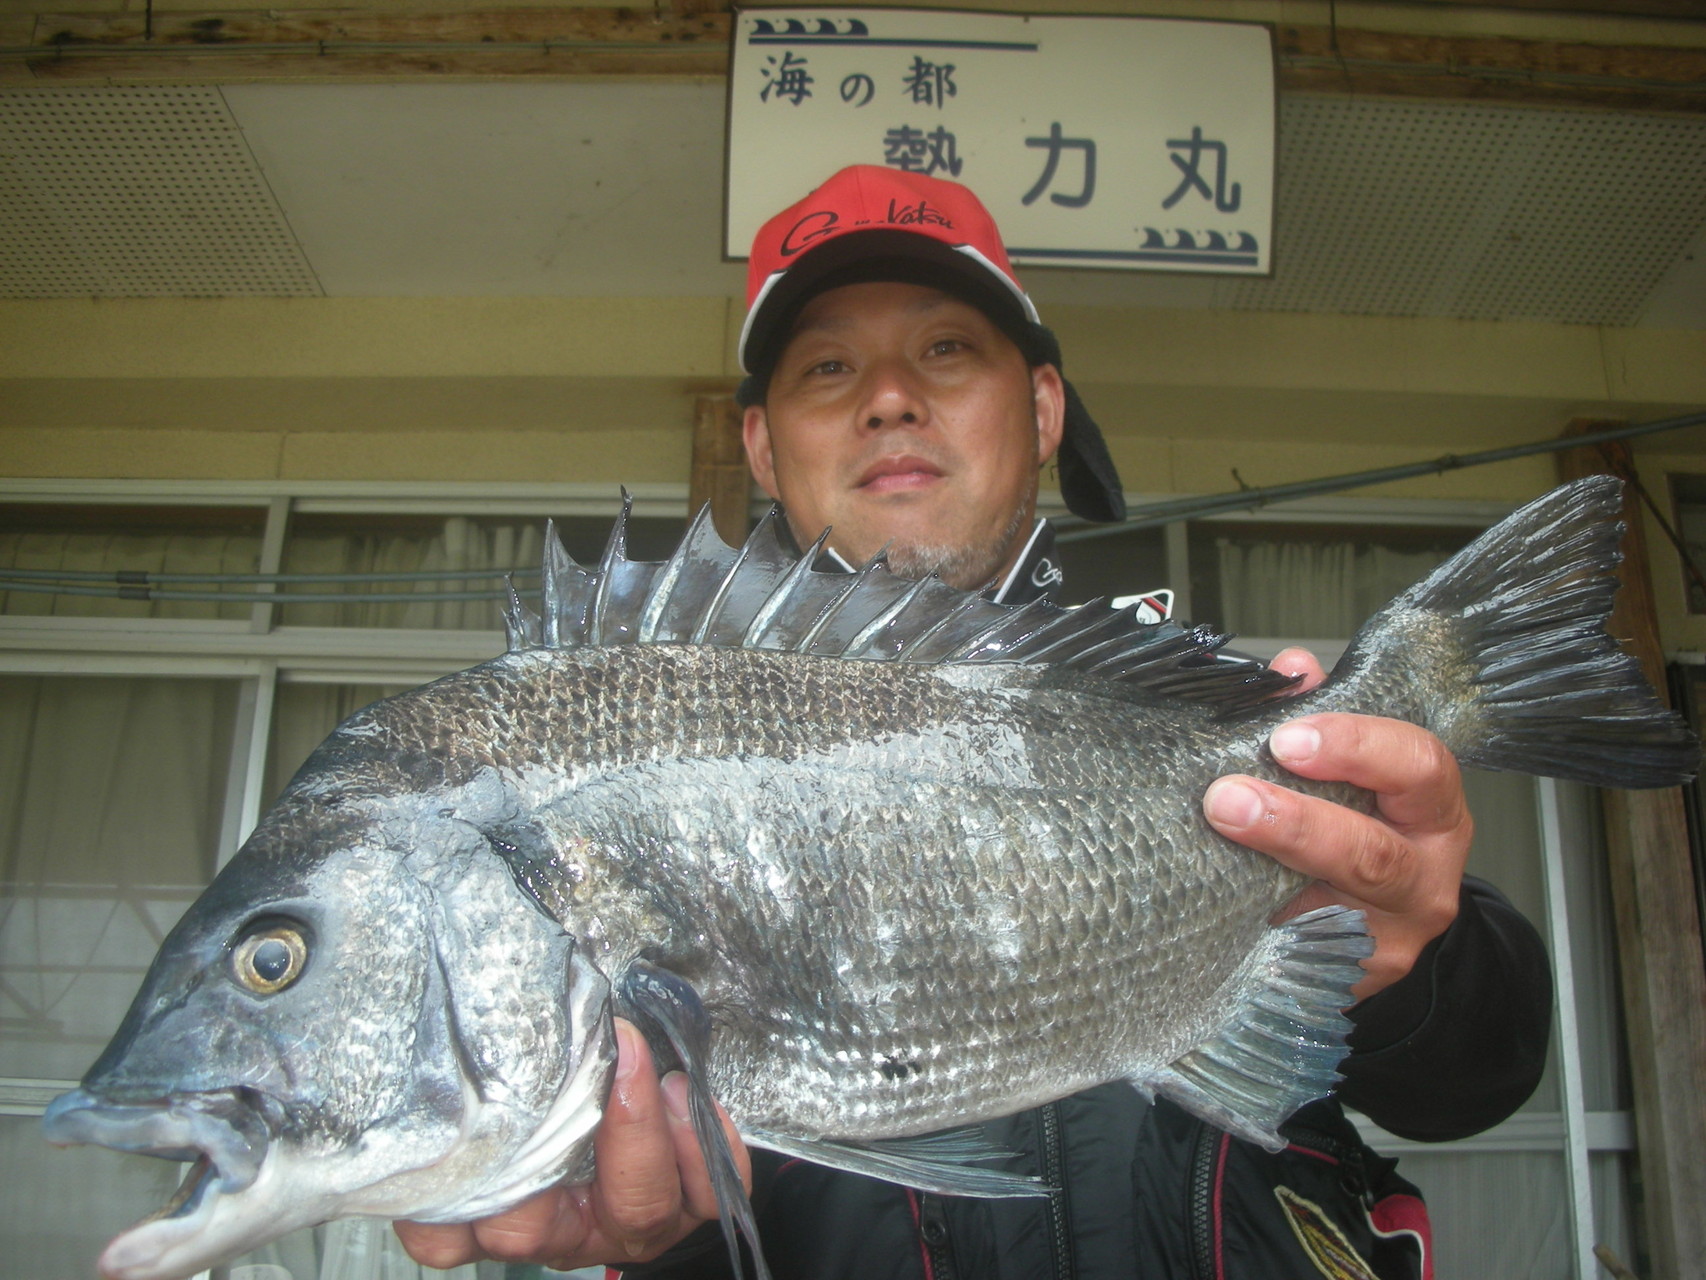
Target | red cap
(868,212)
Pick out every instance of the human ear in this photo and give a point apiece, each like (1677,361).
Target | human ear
(1049,394)
(755,434)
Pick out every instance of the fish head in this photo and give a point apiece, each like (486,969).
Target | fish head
(361,1016)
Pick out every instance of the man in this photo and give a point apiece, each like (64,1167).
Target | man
(903,393)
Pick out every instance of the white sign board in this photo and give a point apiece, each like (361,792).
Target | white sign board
(1095,141)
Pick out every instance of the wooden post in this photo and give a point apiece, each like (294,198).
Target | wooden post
(719,474)
(1659,950)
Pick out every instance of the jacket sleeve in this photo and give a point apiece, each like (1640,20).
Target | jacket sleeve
(1457,1044)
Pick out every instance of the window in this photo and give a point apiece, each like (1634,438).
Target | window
(195,713)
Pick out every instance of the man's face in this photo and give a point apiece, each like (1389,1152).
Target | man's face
(903,417)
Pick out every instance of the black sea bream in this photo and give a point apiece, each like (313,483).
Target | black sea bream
(871,859)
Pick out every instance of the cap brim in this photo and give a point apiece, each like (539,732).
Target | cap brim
(959,269)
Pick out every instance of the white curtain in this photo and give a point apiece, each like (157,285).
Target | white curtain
(110,798)
(185,551)
(460,543)
(456,543)
(1310,589)
(111,792)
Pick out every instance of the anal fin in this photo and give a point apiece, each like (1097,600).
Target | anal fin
(1283,1048)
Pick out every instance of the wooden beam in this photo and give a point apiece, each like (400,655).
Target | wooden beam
(1491,69)
(719,475)
(683,40)
(1661,962)
(1599,8)
(339,44)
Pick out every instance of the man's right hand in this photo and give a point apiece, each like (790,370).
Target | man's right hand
(650,1189)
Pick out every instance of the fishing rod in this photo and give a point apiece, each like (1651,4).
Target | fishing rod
(1072,529)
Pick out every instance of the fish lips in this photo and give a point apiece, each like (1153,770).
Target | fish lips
(231,1128)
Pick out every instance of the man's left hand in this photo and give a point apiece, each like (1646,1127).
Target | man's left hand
(1402,864)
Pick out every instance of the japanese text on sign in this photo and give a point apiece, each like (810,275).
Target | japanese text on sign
(1111,142)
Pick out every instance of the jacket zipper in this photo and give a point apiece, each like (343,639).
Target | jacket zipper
(1353,1178)
(933,1230)
(1202,1202)
(1054,1177)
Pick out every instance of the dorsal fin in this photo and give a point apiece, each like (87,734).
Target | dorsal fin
(782,607)
(621,587)
(766,596)
(563,587)
(521,624)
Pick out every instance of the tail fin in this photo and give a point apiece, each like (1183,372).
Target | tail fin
(1511,665)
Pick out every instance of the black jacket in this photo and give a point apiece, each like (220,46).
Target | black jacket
(1153,1193)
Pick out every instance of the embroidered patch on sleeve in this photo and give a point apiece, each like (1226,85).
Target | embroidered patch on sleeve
(1332,1254)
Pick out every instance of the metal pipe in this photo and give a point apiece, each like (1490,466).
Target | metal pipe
(255,597)
(147,577)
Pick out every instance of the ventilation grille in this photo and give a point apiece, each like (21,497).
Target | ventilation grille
(1477,212)
(147,192)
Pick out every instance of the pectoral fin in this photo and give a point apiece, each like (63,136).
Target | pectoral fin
(945,1162)
(669,1013)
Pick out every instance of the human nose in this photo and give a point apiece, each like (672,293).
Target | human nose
(893,397)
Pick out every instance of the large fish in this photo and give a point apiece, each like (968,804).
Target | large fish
(870,859)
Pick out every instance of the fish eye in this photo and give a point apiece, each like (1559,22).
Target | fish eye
(270,958)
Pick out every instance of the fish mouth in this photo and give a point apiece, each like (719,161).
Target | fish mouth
(228,1129)
(224,1135)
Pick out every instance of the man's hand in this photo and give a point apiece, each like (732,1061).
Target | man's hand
(651,1187)
(1402,865)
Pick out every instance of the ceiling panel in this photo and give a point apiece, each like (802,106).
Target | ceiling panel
(592,189)
(1479,212)
(1386,207)
(137,193)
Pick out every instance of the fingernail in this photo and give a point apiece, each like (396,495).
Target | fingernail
(1295,742)
(1233,803)
(675,1094)
(627,1050)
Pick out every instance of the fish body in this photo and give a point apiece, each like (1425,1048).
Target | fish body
(870,859)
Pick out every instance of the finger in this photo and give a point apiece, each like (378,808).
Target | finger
(1299,662)
(547,1225)
(698,1189)
(637,1193)
(1416,780)
(439,1245)
(1356,854)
